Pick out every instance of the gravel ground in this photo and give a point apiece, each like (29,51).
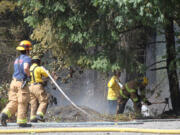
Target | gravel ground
(157,124)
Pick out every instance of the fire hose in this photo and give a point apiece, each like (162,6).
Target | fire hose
(64,93)
(90,129)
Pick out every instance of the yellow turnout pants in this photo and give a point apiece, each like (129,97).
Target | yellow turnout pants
(38,100)
(18,101)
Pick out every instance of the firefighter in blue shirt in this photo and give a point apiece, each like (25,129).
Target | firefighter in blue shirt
(19,92)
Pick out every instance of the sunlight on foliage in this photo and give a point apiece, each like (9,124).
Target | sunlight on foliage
(3,94)
(6,5)
(88,33)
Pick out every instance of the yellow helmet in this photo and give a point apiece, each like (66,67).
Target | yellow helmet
(24,45)
(35,58)
(145,80)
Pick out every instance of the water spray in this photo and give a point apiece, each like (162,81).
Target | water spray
(64,93)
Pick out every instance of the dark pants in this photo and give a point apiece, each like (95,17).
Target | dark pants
(121,106)
(112,105)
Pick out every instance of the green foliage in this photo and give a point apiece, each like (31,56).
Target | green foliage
(88,32)
(7,5)
(101,63)
(3,94)
(12,30)
(31,20)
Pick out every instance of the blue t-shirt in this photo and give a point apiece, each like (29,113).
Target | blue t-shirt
(19,66)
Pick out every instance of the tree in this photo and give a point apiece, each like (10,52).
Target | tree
(159,14)
(174,7)
(6,5)
(88,32)
(80,32)
(12,30)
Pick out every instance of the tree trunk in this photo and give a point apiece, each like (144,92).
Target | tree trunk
(171,65)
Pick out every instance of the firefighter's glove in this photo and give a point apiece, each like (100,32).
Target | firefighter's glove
(28,79)
(148,103)
(44,83)
(119,100)
(25,82)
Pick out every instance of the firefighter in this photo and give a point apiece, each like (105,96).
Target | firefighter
(113,92)
(38,96)
(130,91)
(19,92)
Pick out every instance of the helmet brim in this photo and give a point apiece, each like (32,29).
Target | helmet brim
(19,48)
(35,58)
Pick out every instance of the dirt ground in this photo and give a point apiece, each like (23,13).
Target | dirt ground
(72,114)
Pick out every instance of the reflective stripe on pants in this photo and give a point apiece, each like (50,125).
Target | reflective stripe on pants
(38,96)
(18,100)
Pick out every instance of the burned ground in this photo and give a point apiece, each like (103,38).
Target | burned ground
(72,114)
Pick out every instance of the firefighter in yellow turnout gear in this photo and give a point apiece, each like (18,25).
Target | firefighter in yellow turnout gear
(130,90)
(113,92)
(38,96)
(18,95)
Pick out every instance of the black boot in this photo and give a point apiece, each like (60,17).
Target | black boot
(24,125)
(33,120)
(40,118)
(3,118)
